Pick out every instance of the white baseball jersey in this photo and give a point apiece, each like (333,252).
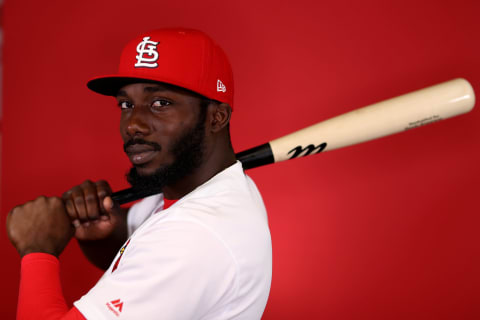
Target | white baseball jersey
(208,256)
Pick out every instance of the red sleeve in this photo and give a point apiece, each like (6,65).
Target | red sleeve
(40,294)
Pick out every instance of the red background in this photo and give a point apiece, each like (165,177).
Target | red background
(382,230)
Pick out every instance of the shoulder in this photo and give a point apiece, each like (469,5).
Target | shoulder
(180,242)
(230,188)
(142,210)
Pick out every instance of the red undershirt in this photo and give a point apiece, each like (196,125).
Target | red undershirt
(40,294)
(167,203)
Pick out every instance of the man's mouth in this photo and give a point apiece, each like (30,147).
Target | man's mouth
(140,153)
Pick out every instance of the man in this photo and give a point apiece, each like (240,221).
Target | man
(199,250)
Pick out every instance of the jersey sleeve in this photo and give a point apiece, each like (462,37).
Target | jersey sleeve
(40,293)
(175,270)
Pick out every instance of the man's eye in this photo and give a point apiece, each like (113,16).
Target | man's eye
(160,103)
(125,105)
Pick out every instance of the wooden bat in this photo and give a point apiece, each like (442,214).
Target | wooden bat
(405,112)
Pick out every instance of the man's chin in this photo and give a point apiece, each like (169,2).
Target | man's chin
(149,169)
(144,171)
(146,177)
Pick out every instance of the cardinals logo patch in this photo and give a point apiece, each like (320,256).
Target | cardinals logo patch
(115,266)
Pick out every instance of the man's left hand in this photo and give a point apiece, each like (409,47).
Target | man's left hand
(40,225)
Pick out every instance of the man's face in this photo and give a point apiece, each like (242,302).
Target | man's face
(163,132)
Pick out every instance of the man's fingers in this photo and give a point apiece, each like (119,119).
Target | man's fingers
(85,203)
(78,201)
(103,190)
(71,211)
(108,203)
(110,206)
(69,205)
(93,207)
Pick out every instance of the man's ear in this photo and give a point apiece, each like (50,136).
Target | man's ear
(220,114)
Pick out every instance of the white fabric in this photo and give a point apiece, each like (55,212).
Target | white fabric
(208,256)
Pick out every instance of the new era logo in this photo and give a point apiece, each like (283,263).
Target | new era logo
(221,87)
(115,306)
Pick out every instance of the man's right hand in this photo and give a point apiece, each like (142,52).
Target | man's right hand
(92,211)
(100,224)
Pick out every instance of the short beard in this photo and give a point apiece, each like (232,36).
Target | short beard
(188,153)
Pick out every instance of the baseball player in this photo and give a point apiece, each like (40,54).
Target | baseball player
(199,250)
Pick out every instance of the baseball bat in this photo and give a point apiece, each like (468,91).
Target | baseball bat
(405,112)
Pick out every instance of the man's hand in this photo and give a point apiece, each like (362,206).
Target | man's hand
(100,224)
(91,210)
(41,225)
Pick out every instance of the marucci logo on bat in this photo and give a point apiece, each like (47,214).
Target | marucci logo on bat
(302,152)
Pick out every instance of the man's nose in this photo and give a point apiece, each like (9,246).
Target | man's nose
(138,122)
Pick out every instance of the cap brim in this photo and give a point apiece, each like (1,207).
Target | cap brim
(109,85)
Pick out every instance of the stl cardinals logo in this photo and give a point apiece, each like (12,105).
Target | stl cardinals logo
(147,54)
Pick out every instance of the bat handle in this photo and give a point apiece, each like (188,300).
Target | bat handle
(133,194)
(256,157)
(251,158)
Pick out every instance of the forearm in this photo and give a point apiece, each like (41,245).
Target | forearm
(40,293)
(101,252)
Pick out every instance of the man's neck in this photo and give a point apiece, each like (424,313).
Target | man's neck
(214,164)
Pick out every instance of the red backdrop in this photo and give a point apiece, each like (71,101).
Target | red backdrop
(382,230)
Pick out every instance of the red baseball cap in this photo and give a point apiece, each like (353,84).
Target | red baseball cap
(182,57)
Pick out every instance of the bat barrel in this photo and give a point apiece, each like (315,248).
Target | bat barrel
(378,120)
